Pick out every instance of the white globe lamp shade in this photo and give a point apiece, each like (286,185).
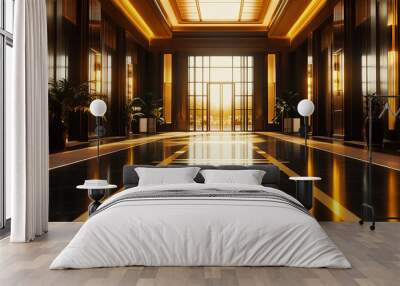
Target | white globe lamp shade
(98,107)
(305,107)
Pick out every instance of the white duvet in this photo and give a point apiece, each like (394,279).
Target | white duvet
(202,232)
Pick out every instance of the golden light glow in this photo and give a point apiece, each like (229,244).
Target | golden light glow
(393,62)
(337,185)
(309,78)
(338,72)
(169,12)
(220,91)
(228,148)
(392,13)
(133,15)
(252,14)
(340,213)
(167,88)
(130,81)
(95,67)
(220,11)
(271,78)
(392,201)
(129,78)
(273,6)
(305,18)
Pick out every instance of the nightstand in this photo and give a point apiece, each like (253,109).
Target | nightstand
(304,190)
(96,191)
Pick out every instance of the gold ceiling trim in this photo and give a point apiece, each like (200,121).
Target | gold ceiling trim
(170,12)
(193,12)
(305,18)
(133,15)
(274,11)
(269,14)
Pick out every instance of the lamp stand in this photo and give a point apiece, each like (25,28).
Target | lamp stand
(98,137)
(98,144)
(305,131)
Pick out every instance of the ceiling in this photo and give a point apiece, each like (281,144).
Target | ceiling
(217,11)
(160,19)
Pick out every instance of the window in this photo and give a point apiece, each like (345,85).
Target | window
(6,66)
(220,92)
(9,15)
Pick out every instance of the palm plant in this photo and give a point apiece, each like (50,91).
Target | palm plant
(147,106)
(65,97)
(286,106)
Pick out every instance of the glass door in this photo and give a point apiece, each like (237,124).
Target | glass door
(220,91)
(6,67)
(226,92)
(220,98)
(215,106)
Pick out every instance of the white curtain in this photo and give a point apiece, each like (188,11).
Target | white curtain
(27,124)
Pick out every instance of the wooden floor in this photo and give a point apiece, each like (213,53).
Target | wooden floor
(375,257)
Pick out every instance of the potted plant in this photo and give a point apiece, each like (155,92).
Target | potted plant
(377,122)
(148,110)
(286,111)
(64,97)
(129,112)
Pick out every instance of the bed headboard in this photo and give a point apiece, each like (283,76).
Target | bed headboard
(270,179)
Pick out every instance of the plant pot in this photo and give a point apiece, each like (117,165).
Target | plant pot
(57,135)
(291,125)
(147,125)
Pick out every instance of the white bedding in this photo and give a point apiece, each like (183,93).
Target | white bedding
(202,232)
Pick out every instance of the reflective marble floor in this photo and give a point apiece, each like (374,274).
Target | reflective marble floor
(338,197)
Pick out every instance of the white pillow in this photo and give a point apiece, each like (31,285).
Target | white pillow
(166,176)
(248,177)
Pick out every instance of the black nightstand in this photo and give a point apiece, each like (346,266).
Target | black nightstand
(95,193)
(304,190)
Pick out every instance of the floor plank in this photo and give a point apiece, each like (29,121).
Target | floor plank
(375,257)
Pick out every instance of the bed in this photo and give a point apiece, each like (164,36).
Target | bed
(199,224)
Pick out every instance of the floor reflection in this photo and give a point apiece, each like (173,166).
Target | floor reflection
(222,149)
(342,189)
(67,203)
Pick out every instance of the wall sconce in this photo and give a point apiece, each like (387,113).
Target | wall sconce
(97,72)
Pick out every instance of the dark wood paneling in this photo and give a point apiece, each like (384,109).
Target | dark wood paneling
(291,12)
(300,72)
(353,115)
(51,36)
(180,88)
(260,92)
(316,47)
(121,20)
(315,23)
(154,74)
(227,45)
(118,98)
